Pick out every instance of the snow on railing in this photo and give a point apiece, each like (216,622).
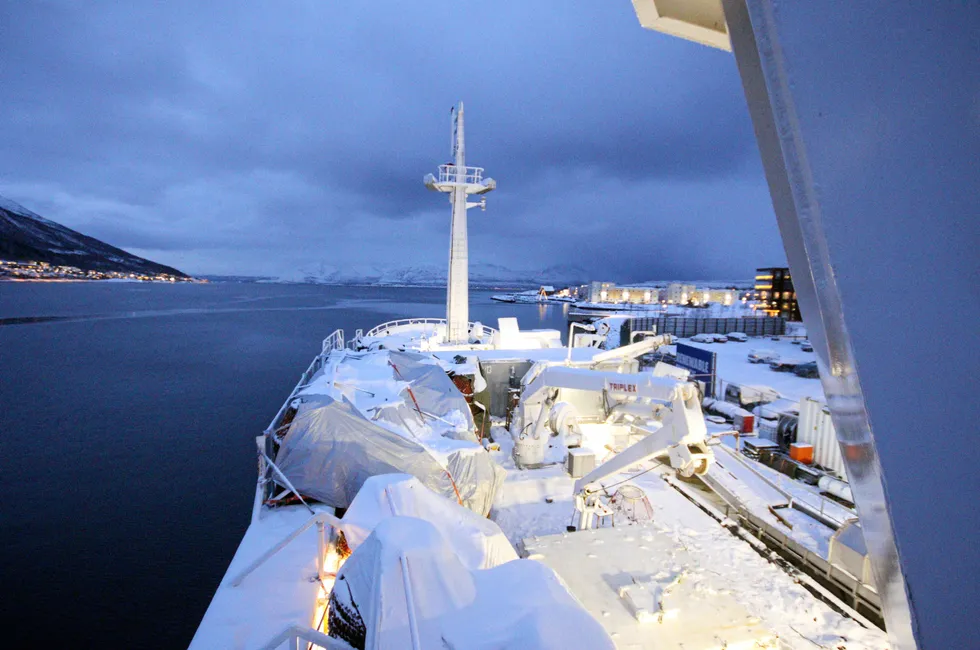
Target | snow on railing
(384,328)
(452,174)
(304,379)
(333,342)
(321,520)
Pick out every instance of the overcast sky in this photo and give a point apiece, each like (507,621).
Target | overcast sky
(270,137)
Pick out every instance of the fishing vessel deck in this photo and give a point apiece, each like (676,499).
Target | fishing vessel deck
(443,483)
(675,575)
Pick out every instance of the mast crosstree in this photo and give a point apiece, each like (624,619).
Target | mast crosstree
(460,182)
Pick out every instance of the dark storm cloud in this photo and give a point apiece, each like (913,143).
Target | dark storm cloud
(265,137)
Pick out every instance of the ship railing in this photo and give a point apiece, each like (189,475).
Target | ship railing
(454,174)
(386,328)
(304,379)
(321,520)
(333,342)
(297,637)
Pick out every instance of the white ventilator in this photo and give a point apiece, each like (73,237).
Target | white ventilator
(459,181)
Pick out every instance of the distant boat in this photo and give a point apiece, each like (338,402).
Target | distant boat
(532,297)
(626,306)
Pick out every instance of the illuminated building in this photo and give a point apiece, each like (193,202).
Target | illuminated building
(775,294)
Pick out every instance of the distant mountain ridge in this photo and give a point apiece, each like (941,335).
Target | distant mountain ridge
(28,237)
(481,275)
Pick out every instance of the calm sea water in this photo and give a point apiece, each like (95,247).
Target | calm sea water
(127,419)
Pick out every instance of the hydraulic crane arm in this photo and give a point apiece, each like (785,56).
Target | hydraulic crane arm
(683,437)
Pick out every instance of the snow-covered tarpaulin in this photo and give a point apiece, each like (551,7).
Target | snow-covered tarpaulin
(406,586)
(430,394)
(477,478)
(330,449)
(406,392)
(478,541)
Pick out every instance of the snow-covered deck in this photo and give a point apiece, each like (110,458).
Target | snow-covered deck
(648,590)
(760,494)
(726,590)
(679,580)
(281,592)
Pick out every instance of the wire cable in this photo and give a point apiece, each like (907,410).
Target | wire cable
(625,480)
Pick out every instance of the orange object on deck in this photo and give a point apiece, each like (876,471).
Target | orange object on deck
(801,452)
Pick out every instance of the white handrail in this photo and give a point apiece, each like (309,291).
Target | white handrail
(303,380)
(383,327)
(413,625)
(380,330)
(319,519)
(454,174)
(296,633)
(333,342)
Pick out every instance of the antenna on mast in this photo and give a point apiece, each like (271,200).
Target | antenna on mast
(452,132)
(459,181)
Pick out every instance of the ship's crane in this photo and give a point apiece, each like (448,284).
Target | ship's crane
(682,436)
(540,406)
(636,397)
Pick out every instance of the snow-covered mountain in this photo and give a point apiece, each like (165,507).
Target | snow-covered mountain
(481,275)
(28,237)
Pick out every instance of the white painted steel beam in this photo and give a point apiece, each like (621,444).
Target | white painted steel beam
(866,119)
(701,21)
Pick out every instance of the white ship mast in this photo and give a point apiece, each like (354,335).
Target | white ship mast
(459,181)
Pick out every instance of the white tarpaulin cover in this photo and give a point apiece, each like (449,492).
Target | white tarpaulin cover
(477,477)
(434,393)
(405,587)
(384,412)
(479,542)
(330,449)
(406,392)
